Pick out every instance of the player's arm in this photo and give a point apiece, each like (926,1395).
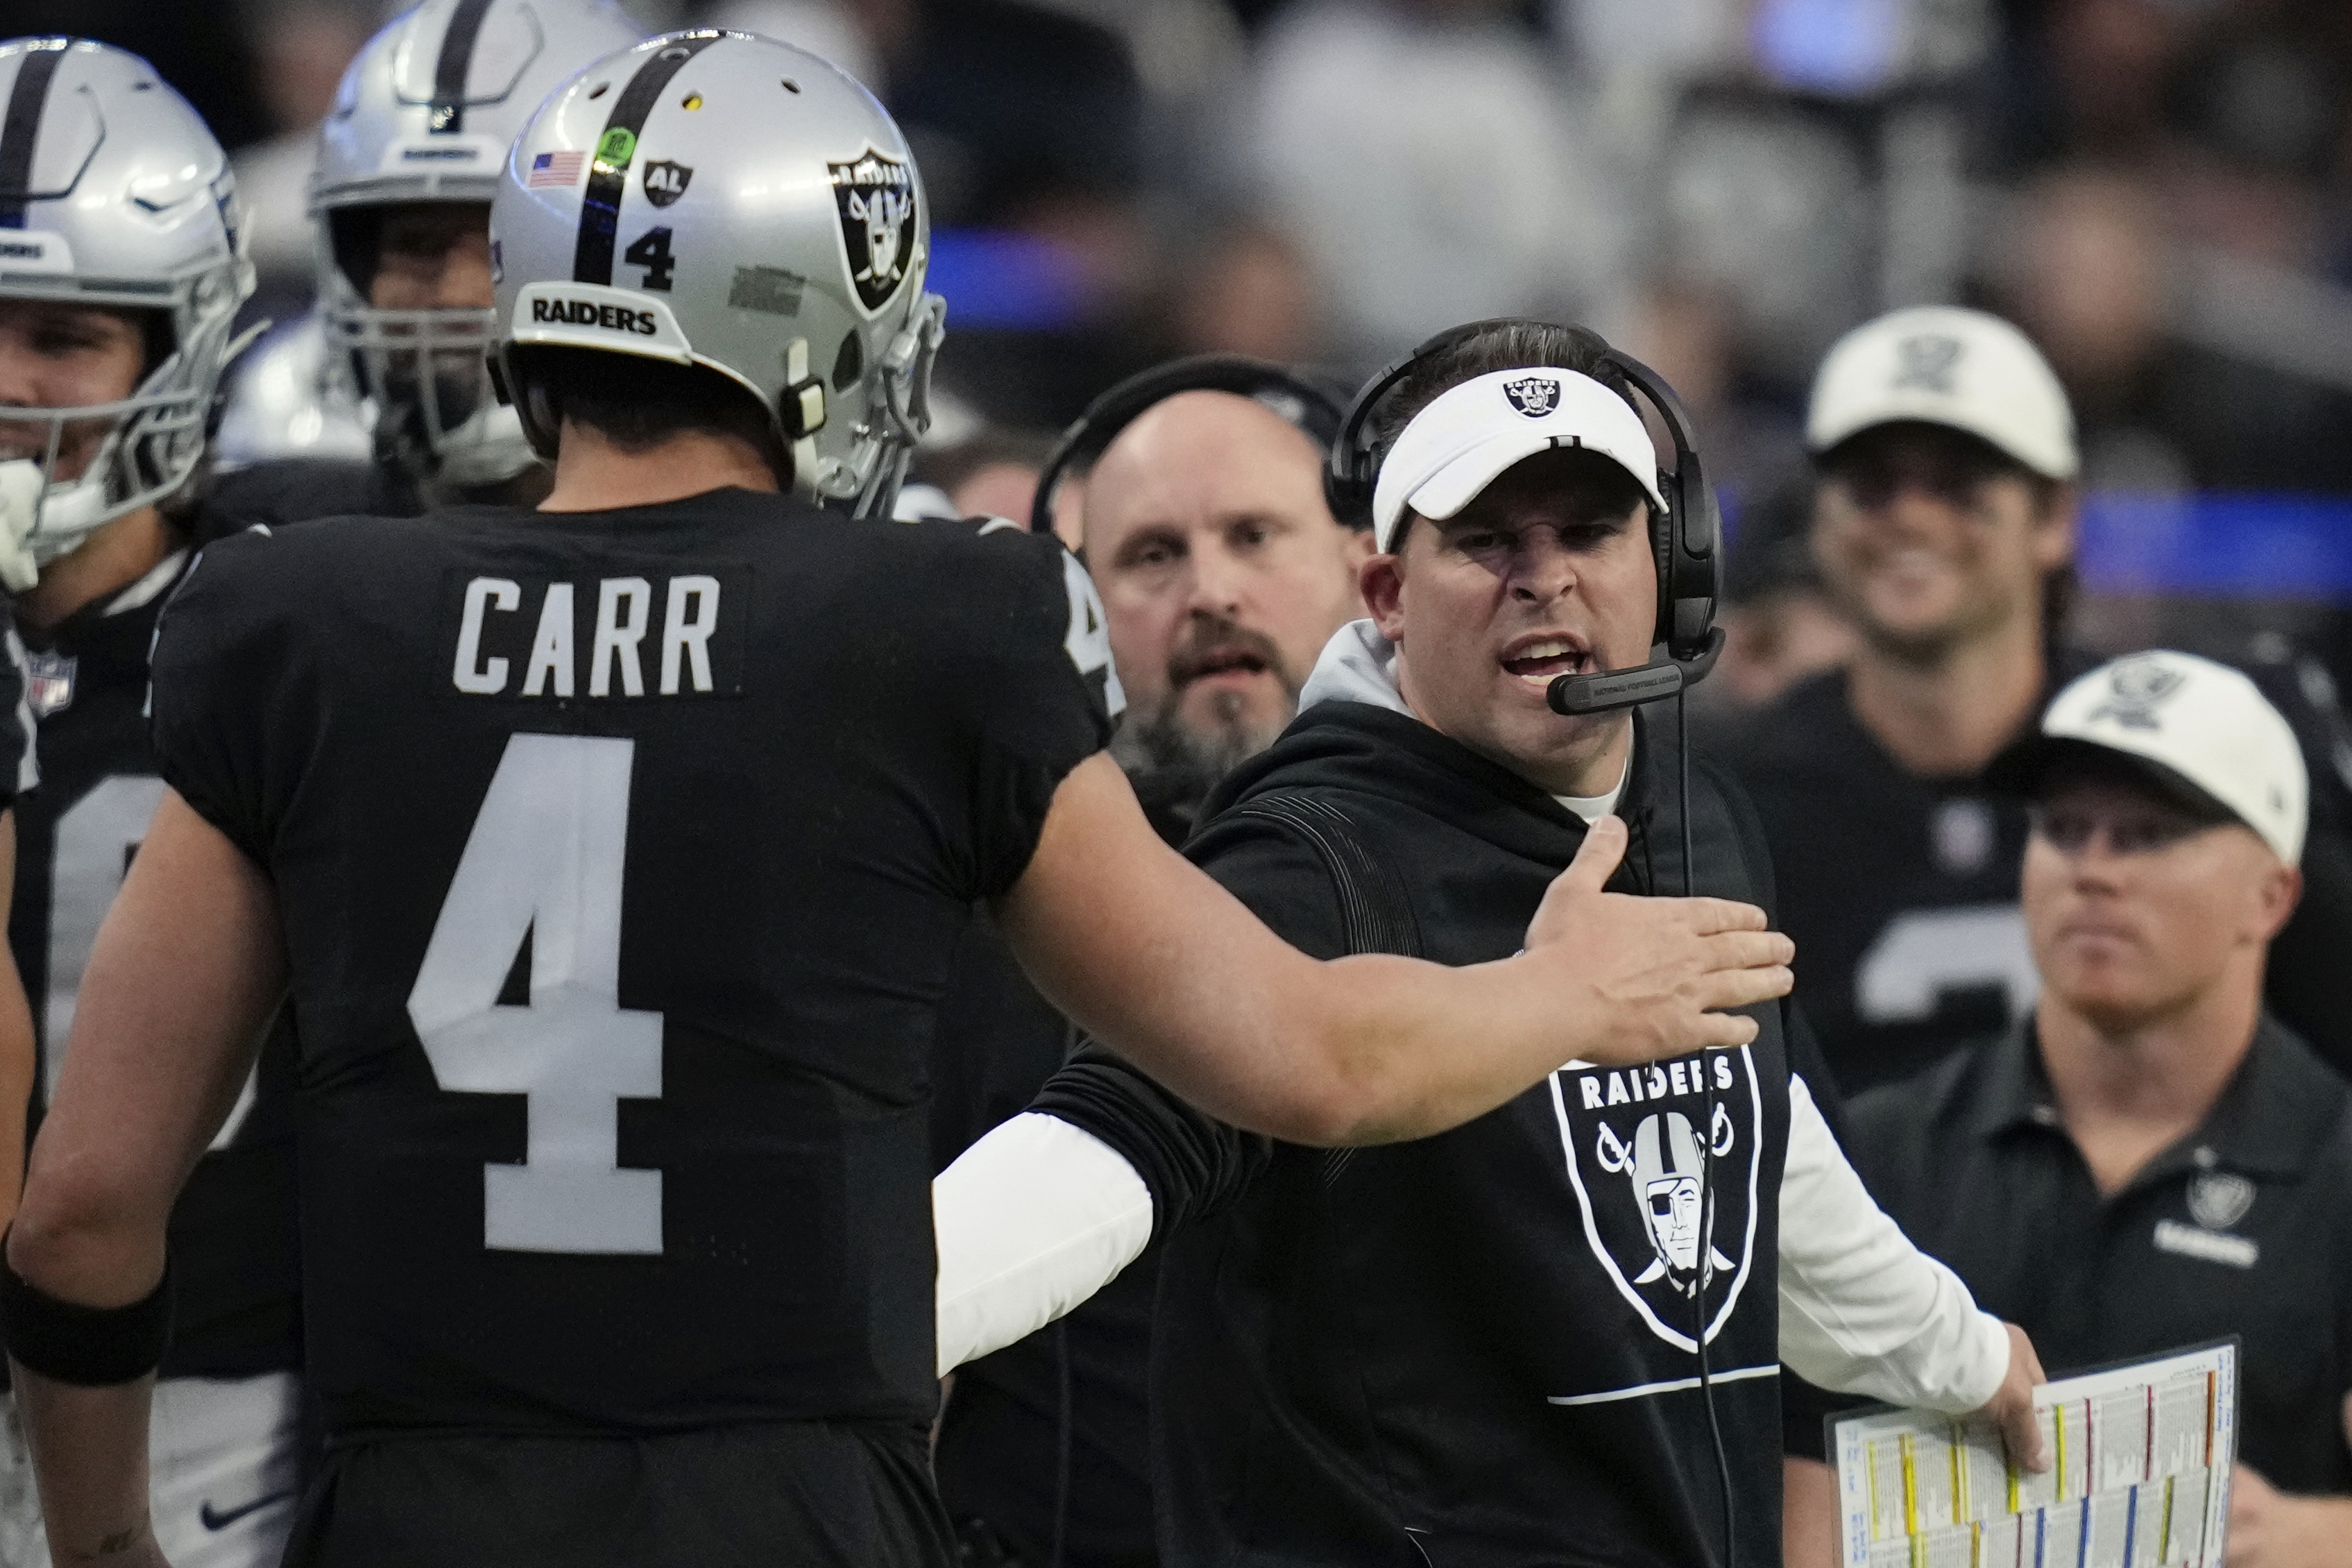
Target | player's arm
(187,968)
(1051,1205)
(1158,962)
(16,1037)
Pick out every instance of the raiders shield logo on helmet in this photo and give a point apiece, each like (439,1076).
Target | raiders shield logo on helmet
(876,193)
(1666,1185)
(1533,395)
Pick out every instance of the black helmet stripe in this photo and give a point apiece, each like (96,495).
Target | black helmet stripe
(22,128)
(448,116)
(600,208)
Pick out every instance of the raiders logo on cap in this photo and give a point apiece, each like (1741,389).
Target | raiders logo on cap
(1926,361)
(1533,395)
(876,193)
(2136,690)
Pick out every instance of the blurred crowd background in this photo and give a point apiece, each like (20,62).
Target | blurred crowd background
(2159,191)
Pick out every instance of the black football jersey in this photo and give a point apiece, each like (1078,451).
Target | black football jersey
(620,857)
(1899,891)
(232,1233)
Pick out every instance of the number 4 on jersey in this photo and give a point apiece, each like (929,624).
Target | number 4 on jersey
(1087,642)
(544,863)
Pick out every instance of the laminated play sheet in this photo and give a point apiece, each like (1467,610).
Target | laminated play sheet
(2139,1476)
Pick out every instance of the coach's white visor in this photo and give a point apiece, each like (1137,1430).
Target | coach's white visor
(1464,440)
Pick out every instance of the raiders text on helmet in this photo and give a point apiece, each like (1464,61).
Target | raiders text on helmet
(425,113)
(112,193)
(723,200)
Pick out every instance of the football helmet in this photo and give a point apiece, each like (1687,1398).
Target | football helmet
(720,199)
(279,402)
(113,192)
(425,113)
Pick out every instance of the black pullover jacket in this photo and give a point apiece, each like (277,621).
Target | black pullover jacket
(1472,1348)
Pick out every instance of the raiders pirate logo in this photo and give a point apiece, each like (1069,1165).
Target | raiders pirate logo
(1533,395)
(876,195)
(2219,1199)
(665,181)
(2136,690)
(1666,1187)
(1926,361)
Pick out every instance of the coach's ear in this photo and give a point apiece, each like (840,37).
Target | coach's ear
(1381,580)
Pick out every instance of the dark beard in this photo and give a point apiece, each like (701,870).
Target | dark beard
(1173,766)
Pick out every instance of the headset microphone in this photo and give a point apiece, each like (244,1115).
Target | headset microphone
(1614,689)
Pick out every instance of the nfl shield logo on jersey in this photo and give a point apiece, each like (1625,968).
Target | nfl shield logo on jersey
(49,681)
(1666,1184)
(876,193)
(1533,395)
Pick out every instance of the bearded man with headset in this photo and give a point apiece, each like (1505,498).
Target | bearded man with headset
(1552,1333)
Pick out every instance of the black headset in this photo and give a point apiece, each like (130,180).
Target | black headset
(1314,409)
(1687,542)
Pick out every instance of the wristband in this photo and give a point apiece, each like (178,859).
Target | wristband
(91,1347)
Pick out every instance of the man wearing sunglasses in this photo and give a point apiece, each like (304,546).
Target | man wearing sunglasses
(2150,1158)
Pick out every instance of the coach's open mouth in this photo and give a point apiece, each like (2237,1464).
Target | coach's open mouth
(1543,658)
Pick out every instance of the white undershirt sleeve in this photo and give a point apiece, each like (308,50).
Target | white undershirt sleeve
(1861,1310)
(1031,1220)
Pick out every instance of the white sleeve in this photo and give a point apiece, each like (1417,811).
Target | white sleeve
(1031,1220)
(1861,1310)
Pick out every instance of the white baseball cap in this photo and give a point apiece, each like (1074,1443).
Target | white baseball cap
(1946,365)
(2201,730)
(1469,434)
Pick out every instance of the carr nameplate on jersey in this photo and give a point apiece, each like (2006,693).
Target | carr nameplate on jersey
(630,631)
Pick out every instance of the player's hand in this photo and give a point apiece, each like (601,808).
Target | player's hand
(21,484)
(1652,977)
(2011,1405)
(2270,1529)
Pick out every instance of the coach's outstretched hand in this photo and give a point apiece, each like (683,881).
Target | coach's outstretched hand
(1163,966)
(1647,978)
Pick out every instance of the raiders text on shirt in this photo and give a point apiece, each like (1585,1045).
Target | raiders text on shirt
(1663,1080)
(646,634)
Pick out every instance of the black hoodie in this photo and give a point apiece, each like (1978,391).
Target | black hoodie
(1472,1348)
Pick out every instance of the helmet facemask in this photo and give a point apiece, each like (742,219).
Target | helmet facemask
(897,412)
(421,369)
(153,441)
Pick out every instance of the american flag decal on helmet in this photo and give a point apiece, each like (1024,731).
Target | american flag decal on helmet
(554,169)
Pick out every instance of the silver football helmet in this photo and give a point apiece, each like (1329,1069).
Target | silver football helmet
(277,402)
(116,195)
(425,113)
(723,200)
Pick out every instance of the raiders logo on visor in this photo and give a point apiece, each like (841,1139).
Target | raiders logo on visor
(1533,395)
(1640,1143)
(876,195)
